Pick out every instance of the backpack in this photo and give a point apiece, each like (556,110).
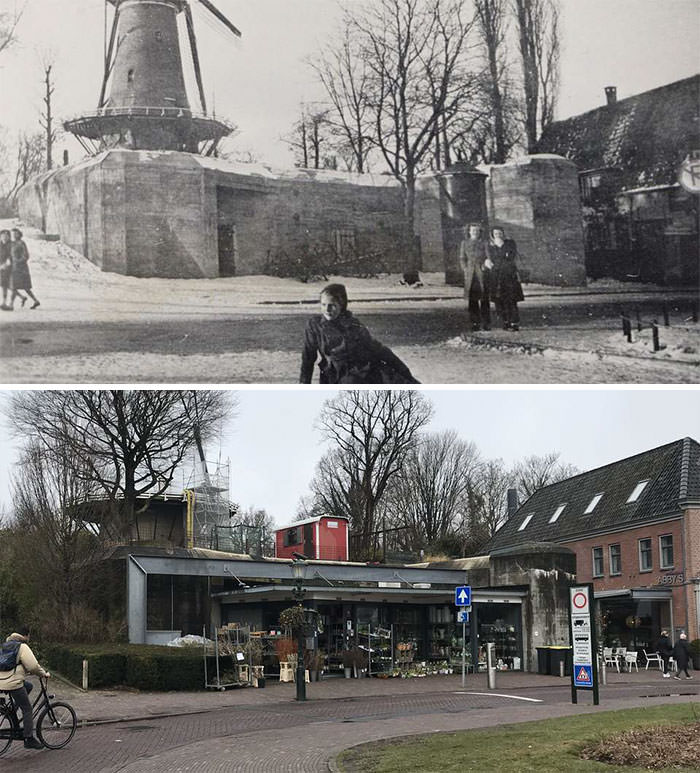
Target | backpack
(9,651)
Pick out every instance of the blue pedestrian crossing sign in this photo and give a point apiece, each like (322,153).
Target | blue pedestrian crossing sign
(583,676)
(463,596)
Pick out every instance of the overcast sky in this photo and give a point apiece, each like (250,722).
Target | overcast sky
(259,83)
(273,446)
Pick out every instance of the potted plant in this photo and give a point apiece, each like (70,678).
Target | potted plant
(694,649)
(314,660)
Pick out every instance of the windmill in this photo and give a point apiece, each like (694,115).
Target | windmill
(143,103)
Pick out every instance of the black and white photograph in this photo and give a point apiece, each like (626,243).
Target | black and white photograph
(506,191)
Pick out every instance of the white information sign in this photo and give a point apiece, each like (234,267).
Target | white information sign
(582,649)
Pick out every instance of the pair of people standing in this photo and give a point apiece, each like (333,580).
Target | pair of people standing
(490,273)
(14,270)
(679,652)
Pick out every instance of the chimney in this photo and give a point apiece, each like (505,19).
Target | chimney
(513,503)
(611,94)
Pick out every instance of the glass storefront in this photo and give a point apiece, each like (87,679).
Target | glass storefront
(631,623)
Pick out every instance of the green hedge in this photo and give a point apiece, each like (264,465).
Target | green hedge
(143,666)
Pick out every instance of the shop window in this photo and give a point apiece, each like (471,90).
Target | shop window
(557,513)
(666,551)
(597,562)
(634,496)
(615,560)
(593,504)
(525,522)
(645,562)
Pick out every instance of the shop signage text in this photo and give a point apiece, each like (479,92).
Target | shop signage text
(671,579)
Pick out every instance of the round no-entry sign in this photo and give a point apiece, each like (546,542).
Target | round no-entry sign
(579,600)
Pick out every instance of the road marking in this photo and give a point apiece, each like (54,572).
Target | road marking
(500,695)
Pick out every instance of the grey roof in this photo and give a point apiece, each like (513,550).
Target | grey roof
(673,472)
(645,136)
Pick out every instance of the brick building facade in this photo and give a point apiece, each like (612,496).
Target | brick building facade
(634,526)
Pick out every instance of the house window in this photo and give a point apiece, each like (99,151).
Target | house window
(291,537)
(645,563)
(666,551)
(597,562)
(615,560)
(344,240)
(634,496)
(592,504)
(557,513)
(525,522)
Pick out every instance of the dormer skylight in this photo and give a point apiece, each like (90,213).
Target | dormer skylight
(593,503)
(557,513)
(525,522)
(634,496)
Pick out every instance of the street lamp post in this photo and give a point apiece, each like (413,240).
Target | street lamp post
(299,570)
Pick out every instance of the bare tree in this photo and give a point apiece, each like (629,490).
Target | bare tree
(8,27)
(430,492)
(538,33)
(534,472)
(53,514)
(414,50)
(345,76)
(259,519)
(371,433)
(128,442)
(488,498)
(46,119)
(308,137)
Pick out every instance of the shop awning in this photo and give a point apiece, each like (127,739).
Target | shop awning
(636,594)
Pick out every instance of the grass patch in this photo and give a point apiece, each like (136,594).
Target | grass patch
(552,745)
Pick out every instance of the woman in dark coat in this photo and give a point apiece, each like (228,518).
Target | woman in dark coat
(506,285)
(347,352)
(21,278)
(5,267)
(681,654)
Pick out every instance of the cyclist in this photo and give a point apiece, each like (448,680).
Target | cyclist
(19,688)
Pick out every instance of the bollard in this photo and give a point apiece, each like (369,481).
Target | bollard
(655,335)
(85,675)
(490,666)
(561,669)
(664,311)
(627,328)
(639,321)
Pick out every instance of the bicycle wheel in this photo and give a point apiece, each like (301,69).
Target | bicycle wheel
(9,729)
(56,725)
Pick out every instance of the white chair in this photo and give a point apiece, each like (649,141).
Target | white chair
(672,665)
(631,660)
(653,657)
(609,659)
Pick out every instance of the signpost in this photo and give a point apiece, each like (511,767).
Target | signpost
(463,599)
(584,667)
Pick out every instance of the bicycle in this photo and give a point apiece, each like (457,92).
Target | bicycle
(55,721)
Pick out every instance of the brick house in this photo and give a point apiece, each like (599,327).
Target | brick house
(639,223)
(635,528)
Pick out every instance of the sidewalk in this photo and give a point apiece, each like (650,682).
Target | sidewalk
(96,706)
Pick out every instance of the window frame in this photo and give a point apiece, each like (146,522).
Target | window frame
(663,565)
(651,555)
(643,484)
(555,515)
(526,521)
(595,501)
(618,557)
(593,561)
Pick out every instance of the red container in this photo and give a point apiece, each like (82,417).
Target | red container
(323,538)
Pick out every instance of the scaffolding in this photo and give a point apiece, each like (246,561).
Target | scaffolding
(208,505)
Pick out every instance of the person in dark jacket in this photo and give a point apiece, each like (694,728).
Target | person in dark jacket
(476,267)
(506,289)
(346,351)
(21,278)
(664,648)
(681,654)
(5,267)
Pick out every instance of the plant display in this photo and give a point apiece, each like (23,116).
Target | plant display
(285,648)
(293,617)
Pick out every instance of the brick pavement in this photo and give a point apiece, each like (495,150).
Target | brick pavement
(267,731)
